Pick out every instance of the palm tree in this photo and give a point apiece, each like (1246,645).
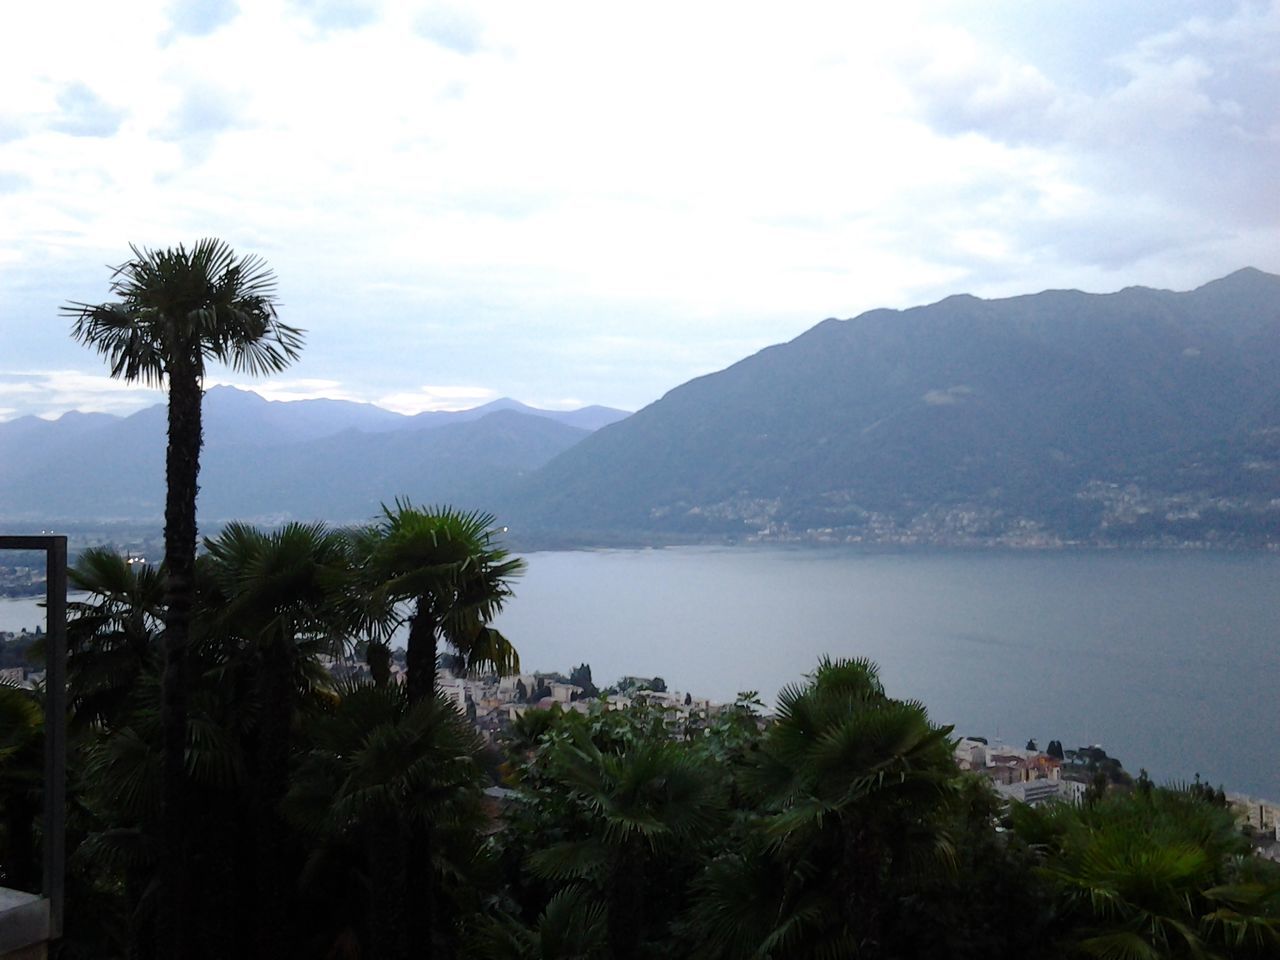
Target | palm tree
(278,596)
(573,926)
(640,806)
(379,771)
(446,564)
(1159,873)
(112,635)
(176,309)
(851,783)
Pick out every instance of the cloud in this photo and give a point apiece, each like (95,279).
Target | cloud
(602,202)
(338,14)
(49,393)
(202,113)
(291,389)
(13,182)
(948,397)
(11,128)
(436,398)
(1159,151)
(198,18)
(82,113)
(559,403)
(452,27)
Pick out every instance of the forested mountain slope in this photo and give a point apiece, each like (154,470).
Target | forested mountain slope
(1138,416)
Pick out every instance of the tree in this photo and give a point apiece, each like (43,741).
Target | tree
(447,566)
(630,804)
(176,309)
(1031,745)
(851,786)
(112,635)
(278,596)
(381,770)
(1154,873)
(580,676)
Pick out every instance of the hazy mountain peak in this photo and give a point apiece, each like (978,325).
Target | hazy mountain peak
(1246,280)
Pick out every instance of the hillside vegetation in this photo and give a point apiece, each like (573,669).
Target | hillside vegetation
(1139,416)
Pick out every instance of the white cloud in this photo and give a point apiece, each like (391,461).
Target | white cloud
(201,17)
(50,393)
(582,198)
(435,398)
(287,390)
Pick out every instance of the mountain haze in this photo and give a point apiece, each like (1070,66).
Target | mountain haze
(1139,416)
(268,461)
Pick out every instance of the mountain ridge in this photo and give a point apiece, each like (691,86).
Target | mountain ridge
(963,421)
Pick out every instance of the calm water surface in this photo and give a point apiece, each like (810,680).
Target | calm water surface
(1170,661)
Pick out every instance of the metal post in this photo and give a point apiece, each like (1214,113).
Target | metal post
(55,719)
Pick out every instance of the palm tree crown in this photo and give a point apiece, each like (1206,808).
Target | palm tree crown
(180,305)
(447,563)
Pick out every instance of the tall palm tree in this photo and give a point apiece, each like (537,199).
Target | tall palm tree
(447,564)
(176,309)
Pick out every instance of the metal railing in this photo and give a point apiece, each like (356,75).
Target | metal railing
(55,718)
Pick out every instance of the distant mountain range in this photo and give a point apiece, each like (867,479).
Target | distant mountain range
(1143,417)
(268,461)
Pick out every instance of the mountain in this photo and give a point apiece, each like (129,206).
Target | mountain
(270,460)
(1143,416)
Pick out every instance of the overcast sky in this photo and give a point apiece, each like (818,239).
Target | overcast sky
(593,202)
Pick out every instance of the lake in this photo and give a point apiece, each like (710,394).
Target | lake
(1170,661)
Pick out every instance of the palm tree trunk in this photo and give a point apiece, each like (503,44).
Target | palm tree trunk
(274,886)
(421,654)
(182,467)
(420,660)
(626,903)
(387,934)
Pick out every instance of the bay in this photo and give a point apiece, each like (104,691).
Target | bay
(1167,660)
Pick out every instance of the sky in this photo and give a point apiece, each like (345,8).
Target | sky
(573,203)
